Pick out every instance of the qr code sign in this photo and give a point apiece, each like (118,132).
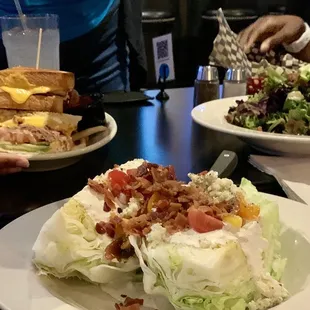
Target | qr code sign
(163,55)
(162,50)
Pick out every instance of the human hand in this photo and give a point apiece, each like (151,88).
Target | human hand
(271,31)
(10,163)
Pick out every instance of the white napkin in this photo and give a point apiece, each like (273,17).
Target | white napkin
(293,174)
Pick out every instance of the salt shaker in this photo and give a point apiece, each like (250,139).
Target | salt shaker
(206,85)
(235,83)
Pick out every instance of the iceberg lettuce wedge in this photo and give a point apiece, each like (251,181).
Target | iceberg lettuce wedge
(69,246)
(226,269)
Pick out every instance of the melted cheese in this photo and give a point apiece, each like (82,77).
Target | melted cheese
(64,123)
(32,120)
(20,95)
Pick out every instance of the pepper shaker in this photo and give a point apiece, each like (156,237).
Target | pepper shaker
(235,82)
(206,85)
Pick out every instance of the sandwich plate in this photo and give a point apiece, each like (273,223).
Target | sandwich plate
(212,115)
(54,161)
(21,288)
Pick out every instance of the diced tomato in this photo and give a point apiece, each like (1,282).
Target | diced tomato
(119,179)
(201,222)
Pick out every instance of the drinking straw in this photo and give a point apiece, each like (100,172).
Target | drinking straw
(39,48)
(20,13)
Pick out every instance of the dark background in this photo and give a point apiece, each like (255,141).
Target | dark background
(193,34)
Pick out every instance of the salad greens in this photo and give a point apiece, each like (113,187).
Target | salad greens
(305,73)
(69,246)
(282,106)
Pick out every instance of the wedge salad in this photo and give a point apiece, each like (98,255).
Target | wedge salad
(282,106)
(206,244)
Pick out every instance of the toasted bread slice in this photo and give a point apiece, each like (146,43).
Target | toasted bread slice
(44,103)
(27,78)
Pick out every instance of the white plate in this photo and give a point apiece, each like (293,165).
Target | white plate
(54,161)
(212,115)
(22,289)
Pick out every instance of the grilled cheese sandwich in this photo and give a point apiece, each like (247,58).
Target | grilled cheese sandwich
(27,87)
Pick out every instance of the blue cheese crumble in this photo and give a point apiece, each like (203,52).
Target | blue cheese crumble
(219,189)
(132,209)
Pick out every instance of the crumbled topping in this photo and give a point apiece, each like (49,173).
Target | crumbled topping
(219,189)
(132,209)
(157,234)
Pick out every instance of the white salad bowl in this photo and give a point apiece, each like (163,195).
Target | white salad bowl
(212,115)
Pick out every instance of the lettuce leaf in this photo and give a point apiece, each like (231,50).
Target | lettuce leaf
(197,278)
(69,246)
(29,148)
(304,73)
(274,80)
(270,223)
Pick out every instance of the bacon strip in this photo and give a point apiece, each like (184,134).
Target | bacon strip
(105,228)
(130,304)
(103,189)
(114,250)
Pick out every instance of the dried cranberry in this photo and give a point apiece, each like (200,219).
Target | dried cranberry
(254,85)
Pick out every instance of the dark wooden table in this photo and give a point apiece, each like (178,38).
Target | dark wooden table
(161,133)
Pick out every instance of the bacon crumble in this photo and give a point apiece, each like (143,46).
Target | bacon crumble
(163,199)
(130,304)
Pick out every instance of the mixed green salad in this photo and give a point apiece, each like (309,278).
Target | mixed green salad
(281,106)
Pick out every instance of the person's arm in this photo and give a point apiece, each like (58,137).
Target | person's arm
(10,163)
(304,54)
(276,30)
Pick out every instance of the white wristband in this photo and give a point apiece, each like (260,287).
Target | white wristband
(299,44)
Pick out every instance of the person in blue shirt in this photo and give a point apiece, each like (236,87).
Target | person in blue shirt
(100,39)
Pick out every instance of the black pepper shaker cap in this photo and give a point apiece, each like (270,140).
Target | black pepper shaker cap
(207,73)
